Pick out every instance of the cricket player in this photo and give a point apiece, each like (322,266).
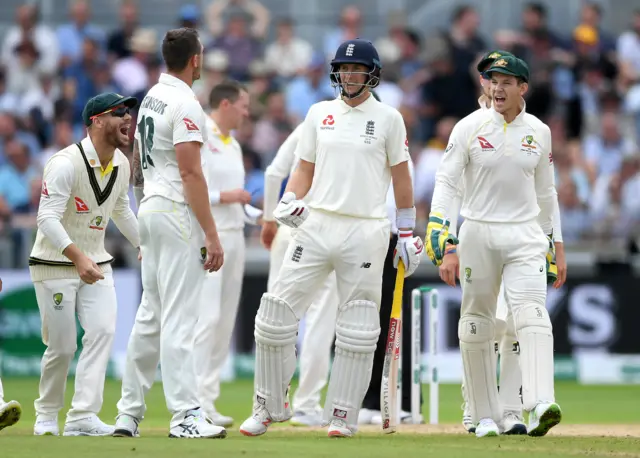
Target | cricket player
(506,339)
(179,243)
(224,170)
(509,202)
(10,412)
(320,319)
(349,151)
(84,186)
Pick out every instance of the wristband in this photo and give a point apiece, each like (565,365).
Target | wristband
(402,234)
(214,197)
(406,217)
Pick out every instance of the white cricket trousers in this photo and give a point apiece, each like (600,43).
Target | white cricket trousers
(491,253)
(320,322)
(1,392)
(218,311)
(59,301)
(172,279)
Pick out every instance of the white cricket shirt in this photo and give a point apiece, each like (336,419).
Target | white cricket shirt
(169,114)
(506,169)
(78,200)
(353,150)
(224,171)
(283,165)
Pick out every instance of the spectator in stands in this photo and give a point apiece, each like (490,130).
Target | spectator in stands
(574,214)
(349,28)
(263,83)
(9,131)
(23,76)
(216,63)
(73,35)
(389,45)
(569,167)
(254,176)
(312,87)
(118,41)
(41,99)
(591,16)
(273,128)
(27,27)
(604,152)
(9,102)
(62,138)
(259,15)
(628,48)
(131,73)
(15,178)
(289,55)
(240,47)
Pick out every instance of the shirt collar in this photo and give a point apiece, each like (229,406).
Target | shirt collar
(92,154)
(518,119)
(364,106)
(227,140)
(484,102)
(170,80)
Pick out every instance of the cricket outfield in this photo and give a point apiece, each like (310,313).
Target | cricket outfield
(598,421)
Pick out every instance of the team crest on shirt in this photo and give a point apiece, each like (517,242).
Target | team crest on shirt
(96,223)
(528,145)
(369,132)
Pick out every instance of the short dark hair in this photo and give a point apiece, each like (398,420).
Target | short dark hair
(537,8)
(460,12)
(178,46)
(229,90)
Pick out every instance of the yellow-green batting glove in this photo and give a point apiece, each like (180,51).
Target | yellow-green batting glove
(552,268)
(437,238)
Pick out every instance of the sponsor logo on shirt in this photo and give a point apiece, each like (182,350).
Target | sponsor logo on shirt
(327,123)
(485,145)
(191,126)
(45,191)
(81,207)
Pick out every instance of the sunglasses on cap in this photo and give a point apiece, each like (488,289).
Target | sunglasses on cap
(119,112)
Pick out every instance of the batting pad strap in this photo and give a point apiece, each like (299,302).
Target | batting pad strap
(406,218)
(357,332)
(477,347)
(276,329)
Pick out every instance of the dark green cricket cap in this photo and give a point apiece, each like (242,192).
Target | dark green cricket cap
(104,102)
(510,65)
(490,57)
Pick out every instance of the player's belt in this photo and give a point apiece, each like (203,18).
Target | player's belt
(46,262)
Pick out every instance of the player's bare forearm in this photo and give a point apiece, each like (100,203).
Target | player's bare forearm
(138,178)
(195,185)
(402,186)
(301,179)
(73,253)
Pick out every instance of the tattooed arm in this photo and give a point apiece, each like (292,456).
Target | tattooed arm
(138,178)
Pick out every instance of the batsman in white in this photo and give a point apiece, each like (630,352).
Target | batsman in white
(10,412)
(224,170)
(506,339)
(320,319)
(179,243)
(509,202)
(84,186)
(350,148)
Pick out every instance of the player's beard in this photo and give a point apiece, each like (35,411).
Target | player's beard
(115,137)
(196,73)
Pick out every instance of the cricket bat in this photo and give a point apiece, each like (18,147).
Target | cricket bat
(389,387)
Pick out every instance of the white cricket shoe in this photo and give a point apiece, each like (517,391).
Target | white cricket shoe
(405,418)
(307,418)
(512,424)
(196,426)
(126,426)
(339,428)
(216,418)
(487,428)
(258,423)
(366,416)
(543,417)
(467,422)
(46,427)
(10,413)
(88,426)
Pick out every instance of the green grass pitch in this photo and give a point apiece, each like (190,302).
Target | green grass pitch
(599,421)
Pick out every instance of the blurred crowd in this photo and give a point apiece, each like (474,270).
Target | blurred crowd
(585,84)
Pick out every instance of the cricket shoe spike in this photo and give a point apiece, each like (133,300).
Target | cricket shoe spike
(196,426)
(10,413)
(88,426)
(126,426)
(543,417)
(467,422)
(339,428)
(46,427)
(487,428)
(512,424)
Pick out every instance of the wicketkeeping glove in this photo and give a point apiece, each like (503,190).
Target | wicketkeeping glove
(437,238)
(291,211)
(552,268)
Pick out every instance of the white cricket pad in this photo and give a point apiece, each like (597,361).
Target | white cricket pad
(276,331)
(357,331)
(510,375)
(477,347)
(535,335)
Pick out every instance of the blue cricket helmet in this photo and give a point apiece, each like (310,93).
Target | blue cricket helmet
(357,51)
